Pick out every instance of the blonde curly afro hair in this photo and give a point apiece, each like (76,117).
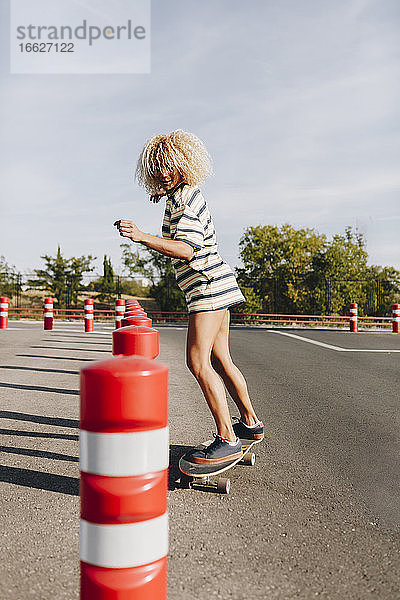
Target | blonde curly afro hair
(179,149)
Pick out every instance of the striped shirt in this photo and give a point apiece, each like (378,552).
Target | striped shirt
(207,281)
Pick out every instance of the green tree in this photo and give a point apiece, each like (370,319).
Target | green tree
(275,261)
(131,287)
(301,271)
(385,282)
(9,279)
(62,277)
(105,285)
(253,302)
(158,268)
(339,274)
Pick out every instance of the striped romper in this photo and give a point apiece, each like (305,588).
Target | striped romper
(206,280)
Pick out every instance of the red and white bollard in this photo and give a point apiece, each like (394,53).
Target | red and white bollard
(133,302)
(137,320)
(140,341)
(396,317)
(89,315)
(354,317)
(119,312)
(48,313)
(135,312)
(124,454)
(133,305)
(3,312)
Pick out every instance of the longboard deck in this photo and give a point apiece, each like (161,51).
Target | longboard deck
(199,470)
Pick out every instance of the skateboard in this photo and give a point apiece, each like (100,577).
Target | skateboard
(198,476)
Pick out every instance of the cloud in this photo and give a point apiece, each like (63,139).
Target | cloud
(298,104)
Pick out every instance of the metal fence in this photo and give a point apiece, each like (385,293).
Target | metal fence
(374,297)
(249,319)
(25,294)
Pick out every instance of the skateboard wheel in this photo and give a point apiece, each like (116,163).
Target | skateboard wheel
(223,485)
(249,459)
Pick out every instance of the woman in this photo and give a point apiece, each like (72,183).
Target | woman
(174,165)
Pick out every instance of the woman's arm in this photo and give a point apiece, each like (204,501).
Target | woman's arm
(172,248)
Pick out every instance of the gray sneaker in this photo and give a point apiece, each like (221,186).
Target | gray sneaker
(219,451)
(244,432)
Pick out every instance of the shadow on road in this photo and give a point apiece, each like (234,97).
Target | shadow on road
(18,416)
(56,357)
(82,337)
(57,436)
(39,388)
(63,341)
(71,348)
(175,453)
(39,453)
(17,368)
(41,481)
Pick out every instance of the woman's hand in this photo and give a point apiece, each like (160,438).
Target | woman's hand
(129,229)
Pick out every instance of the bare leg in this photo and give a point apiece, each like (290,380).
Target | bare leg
(231,375)
(202,332)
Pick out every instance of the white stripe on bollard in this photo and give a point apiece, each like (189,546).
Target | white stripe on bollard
(4,312)
(124,546)
(124,454)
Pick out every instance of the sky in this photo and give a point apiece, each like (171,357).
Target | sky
(297,102)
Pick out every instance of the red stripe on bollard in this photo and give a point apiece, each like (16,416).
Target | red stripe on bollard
(136,340)
(110,499)
(3,312)
(137,320)
(99,412)
(124,473)
(354,317)
(395,318)
(135,313)
(48,313)
(89,315)
(119,312)
(123,585)
(132,303)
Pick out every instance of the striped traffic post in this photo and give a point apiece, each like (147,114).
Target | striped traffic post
(141,341)
(135,312)
(133,305)
(119,312)
(3,312)
(395,317)
(124,455)
(354,317)
(89,315)
(48,313)
(136,320)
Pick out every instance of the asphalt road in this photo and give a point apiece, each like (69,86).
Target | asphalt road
(317,516)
